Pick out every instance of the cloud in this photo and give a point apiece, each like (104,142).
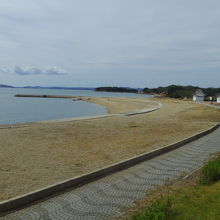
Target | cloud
(4,70)
(27,71)
(53,70)
(137,43)
(49,70)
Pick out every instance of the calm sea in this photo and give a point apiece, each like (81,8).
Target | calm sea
(19,110)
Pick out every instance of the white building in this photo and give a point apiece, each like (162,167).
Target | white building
(198,96)
(218,98)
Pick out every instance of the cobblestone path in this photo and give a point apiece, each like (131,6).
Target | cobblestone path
(104,198)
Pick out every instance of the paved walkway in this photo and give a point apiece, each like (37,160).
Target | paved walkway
(104,198)
(213,106)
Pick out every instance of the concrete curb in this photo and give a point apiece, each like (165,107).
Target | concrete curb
(144,111)
(75,182)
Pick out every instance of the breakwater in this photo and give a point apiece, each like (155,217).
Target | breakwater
(75,98)
(44,96)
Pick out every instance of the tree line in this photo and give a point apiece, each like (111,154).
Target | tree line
(116,89)
(172,91)
(176,91)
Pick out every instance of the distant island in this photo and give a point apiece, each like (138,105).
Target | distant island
(57,87)
(116,89)
(47,87)
(5,86)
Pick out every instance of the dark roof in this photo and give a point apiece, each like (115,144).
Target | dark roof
(198,92)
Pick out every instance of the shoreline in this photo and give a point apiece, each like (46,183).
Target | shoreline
(110,111)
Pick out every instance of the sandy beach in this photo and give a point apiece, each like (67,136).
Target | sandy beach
(39,154)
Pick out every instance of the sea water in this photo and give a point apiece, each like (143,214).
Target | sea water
(19,110)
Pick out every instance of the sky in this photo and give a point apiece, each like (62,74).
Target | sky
(89,43)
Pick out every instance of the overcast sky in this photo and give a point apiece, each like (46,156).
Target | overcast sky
(137,43)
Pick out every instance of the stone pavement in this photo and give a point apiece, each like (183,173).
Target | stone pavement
(103,199)
(213,106)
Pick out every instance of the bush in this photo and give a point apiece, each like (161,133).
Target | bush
(211,172)
(160,210)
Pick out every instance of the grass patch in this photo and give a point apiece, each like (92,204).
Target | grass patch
(160,210)
(199,202)
(211,172)
(193,203)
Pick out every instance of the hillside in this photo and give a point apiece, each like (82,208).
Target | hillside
(176,91)
(116,89)
(5,86)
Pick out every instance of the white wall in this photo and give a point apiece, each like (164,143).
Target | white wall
(218,99)
(198,98)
